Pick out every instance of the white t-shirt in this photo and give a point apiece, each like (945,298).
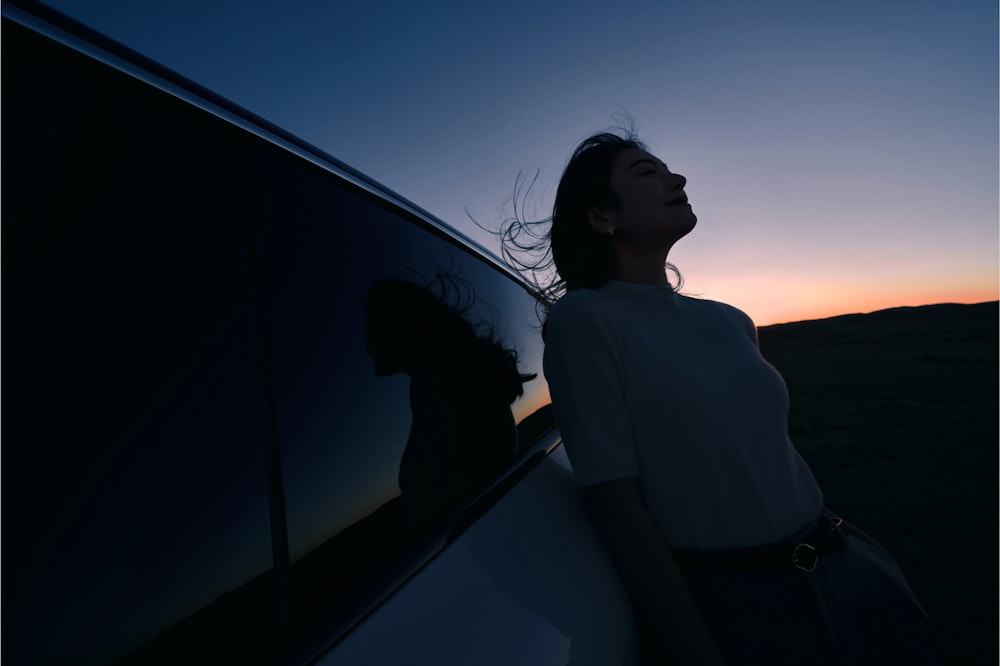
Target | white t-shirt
(673,390)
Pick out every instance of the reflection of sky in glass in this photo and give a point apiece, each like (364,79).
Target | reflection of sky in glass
(343,429)
(364,421)
(351,475)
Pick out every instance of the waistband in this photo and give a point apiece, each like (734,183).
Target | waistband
(802,552)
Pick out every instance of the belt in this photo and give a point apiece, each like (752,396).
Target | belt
(802,553)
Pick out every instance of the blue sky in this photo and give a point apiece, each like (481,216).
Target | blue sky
(841,157)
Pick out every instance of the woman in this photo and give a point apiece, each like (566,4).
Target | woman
(677,431)
(462,382)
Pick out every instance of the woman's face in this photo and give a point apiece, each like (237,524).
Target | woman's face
(652,202)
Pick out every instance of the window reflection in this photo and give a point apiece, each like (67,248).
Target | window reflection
(462,382)
(374,445)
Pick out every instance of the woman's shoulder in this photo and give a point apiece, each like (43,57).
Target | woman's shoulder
(720,309)
(577,303)
(709,304)
(578,311)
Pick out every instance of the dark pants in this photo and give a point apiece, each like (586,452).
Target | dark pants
(854,609)
(762,617)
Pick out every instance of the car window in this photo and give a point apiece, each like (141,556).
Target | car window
(244,395)
(133,439)
(392,357)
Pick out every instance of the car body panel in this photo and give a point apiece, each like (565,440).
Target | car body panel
(529,583)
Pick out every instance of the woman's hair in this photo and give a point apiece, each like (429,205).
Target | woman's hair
(430,320)
(582,257)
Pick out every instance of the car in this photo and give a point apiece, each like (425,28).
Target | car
(259,408)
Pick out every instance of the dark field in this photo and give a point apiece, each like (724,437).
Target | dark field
(897,414)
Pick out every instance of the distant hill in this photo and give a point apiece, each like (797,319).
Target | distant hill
(942,315)
(897,413)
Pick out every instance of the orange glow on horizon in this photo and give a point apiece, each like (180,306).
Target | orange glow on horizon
(769,301)
(530,402)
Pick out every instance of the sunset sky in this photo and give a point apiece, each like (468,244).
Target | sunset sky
(841,156)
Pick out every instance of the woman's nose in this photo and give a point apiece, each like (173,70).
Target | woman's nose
(676,181)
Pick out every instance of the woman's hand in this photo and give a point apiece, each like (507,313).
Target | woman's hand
(650,574)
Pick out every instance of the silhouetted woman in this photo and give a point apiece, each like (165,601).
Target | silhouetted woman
(677,430)
(462,383)
(462,432)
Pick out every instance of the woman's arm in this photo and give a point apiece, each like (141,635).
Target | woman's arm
(586,376)
(648,569)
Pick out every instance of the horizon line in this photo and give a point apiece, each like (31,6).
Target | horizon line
(897,307)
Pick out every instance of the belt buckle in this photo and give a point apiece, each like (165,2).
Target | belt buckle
(805,558)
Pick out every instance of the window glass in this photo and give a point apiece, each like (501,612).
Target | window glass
(134,478)
(391,355)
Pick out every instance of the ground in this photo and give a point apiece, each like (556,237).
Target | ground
(897,414)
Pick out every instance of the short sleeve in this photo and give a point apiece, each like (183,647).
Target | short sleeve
(583,366)
(750,326)
(742,321)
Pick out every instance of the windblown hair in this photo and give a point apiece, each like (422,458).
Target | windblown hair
(582,257)
(430,320)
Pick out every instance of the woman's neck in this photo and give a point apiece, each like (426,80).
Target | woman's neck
(641,267)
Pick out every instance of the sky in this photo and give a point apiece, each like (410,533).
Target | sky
(841,156)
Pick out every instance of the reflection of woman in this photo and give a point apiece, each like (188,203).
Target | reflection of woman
(676,427)
(461,388)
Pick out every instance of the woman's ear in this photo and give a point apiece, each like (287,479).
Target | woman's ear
(600,221)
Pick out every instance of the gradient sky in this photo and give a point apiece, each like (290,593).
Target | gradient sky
(841,156)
